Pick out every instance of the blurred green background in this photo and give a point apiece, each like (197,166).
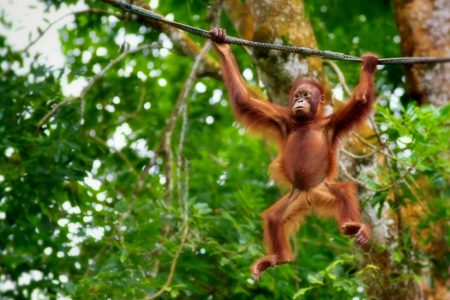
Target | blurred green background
(75,222)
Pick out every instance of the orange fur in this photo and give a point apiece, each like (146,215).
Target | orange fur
(307,160)
(337,200)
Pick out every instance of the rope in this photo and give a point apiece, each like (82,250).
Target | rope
(137,10)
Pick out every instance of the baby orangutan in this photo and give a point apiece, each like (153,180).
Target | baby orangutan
(308,143)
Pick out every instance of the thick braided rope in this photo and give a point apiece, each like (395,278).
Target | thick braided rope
(286,48)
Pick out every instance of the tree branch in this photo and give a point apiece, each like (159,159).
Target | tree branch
(167,136)
(340,76)
(187,46)
(356,156)
(75,13)
(91,83)
(181,105)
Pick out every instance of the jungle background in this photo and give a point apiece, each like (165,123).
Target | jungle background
(123,174)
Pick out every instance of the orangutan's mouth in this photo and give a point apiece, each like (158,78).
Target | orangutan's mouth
(299,106)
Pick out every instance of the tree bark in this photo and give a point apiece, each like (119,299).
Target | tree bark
(281,21)
(424,27)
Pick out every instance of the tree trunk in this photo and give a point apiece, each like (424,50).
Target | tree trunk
(424,27)
(281,21)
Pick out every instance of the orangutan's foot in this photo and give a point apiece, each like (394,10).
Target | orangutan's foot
(265,262)
(360,231)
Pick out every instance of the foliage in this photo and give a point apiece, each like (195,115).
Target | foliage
(74,221)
